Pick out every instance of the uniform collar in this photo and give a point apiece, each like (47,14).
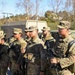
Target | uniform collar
(48,38)
(34,39)
(67,38)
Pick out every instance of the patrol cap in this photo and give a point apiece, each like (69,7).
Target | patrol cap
(31,28)
(17,30)
(2,34)
(26,29)
(46,28)
(64,24)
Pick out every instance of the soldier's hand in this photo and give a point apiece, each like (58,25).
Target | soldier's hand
(54,61)
(30,56)
(25,56)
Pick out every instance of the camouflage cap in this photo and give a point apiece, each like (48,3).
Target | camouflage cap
(46,28)
(64,24)
(31,28)
(17,30)
(2,34)
(26,29)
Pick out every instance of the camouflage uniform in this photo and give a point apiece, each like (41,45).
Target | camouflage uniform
(33,55)
(66,62)
(27,38)
(49,45)
(46,37)
(15,53)
(4,58)
(12,39)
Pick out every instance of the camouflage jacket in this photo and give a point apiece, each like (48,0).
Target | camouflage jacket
(47,38)
(15,49)
(66,61)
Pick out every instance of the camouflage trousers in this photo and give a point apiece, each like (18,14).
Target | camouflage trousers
(55,71)
(49,71)
(15,68)
(33,69)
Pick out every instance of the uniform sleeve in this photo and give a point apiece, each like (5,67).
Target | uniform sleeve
(65,62)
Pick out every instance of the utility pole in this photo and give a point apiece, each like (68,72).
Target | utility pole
(7,15)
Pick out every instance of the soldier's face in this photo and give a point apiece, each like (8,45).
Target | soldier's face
(27,34)
(45,32)
(16,35)
(0,41)
(33,33)
(62,31)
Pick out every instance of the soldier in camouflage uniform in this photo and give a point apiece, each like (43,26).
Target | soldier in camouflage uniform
(10,40)
(17,47)
(46,34)
(48,46)
(27,35)
(4,58)
(67,65)
(34,53)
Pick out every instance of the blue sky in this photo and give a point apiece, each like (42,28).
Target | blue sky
(9,6)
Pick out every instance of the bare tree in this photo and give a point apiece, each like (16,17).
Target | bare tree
(27,5)
(37,7)
(73,5)
(2,6)
(56,5)
(70,5)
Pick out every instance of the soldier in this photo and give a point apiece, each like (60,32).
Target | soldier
(48,46)
(11,39)
(16,49)
(68,50)
(4,58)
(27,34)
(34,53)
(46,34)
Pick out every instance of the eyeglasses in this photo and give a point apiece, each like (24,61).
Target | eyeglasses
(26,31)
(43,30)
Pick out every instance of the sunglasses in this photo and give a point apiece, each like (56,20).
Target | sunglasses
(14,34)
